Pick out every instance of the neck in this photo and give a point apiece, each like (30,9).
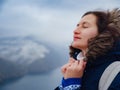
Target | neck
(84,52)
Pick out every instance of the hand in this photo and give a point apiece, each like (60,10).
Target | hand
(73,69)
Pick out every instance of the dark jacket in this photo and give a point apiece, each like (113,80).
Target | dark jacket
(94,70)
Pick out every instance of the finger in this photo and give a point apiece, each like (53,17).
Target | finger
(64,67)
(71,60)
(75,64)
(82,64)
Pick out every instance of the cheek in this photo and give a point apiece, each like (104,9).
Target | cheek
(88,36)
(91,34)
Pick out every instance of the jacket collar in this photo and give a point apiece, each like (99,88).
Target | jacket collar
(111,56)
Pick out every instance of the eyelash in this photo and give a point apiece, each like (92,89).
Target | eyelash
(83,25)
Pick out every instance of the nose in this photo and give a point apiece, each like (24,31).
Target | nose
(76,31)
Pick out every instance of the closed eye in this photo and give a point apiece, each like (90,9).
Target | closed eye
(85,25)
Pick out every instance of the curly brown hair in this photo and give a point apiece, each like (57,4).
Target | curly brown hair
(108,23)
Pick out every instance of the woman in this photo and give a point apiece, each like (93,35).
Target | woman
(96,44)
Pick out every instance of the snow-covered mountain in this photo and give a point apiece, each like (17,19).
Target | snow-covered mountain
(23,55)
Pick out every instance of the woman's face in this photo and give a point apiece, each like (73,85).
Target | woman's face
(85,30)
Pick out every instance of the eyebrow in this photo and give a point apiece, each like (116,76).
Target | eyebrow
(83,23)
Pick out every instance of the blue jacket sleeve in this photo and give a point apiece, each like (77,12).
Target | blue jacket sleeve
(70,84)
(71,81)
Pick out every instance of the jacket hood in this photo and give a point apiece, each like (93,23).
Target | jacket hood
(111,56)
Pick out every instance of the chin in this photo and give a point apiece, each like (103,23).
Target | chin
(78,45)
(75,45)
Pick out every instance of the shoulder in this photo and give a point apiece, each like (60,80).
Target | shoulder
(115,85)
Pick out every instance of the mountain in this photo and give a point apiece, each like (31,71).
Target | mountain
(28,55)
(52,60)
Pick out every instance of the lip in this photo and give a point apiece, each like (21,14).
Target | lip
(76,38)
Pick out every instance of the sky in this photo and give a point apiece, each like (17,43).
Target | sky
(49,20)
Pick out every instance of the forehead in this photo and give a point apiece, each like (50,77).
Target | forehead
(90,18)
